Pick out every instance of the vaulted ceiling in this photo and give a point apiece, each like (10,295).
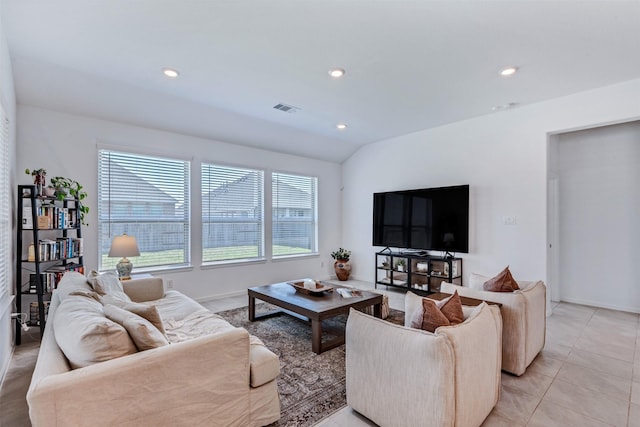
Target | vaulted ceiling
(410,65)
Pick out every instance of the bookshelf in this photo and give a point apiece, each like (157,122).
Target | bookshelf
(48,244)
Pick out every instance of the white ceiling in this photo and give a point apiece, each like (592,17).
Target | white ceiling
(410,65)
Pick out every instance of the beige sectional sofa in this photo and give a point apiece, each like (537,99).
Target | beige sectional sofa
(523,317)
(208,373)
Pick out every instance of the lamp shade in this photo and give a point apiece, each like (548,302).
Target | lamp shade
(124,246)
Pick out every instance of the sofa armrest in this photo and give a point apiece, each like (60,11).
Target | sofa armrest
(535,319)
(477,348)
(141,290)
(517,348)
(388,364)
(207,378)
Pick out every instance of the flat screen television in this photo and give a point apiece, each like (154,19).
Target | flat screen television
(425,219)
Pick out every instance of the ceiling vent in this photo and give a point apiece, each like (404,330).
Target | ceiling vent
(286,108)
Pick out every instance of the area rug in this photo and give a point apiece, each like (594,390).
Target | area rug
(311,386)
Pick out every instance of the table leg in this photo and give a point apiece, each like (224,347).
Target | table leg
(377,310)
(316,335)
(252,308)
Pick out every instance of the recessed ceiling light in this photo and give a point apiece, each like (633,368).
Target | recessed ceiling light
(170,72)
(508,71)
(341,126)
(336,72)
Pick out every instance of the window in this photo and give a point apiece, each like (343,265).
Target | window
(232,213)
(148,198)
(294,214)
(5,212)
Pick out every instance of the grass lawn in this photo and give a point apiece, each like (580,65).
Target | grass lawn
(176,256)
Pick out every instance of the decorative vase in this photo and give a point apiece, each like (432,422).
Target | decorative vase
(342,268)
(40,181)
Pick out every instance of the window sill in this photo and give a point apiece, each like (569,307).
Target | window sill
(294,257)
(231,263)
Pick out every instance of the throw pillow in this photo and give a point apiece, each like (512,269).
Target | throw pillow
(476,281)
(149,312)
(85,335)
(503,282)
(432,317)
(107,283)
(452,309)
(142,332)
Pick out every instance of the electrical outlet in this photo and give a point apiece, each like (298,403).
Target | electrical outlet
(169,283)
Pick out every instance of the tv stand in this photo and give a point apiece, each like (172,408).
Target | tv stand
(416,271)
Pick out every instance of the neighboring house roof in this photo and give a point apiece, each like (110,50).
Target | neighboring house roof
(143,191)
(243,196)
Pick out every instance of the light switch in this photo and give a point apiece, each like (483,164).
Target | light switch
(509,220)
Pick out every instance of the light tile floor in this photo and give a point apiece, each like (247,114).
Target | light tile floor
(588,374)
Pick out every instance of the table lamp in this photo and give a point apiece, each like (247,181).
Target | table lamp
(124,246)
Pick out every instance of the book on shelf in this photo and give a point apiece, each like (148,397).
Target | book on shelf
(51,277)
(60,248)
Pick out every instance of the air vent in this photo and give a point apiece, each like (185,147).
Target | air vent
(286,108)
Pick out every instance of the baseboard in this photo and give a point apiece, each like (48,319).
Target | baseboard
(599,304)
(222,296)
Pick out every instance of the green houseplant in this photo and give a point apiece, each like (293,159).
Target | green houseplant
(70,187)
(341,254)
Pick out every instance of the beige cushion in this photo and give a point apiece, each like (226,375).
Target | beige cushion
(264,365)
(147,289)
(71,282)
(502,282)
(476,281)
(142,332)
(107,283)
(149,312)
(85,335)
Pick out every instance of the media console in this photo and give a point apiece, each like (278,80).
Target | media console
(415,271)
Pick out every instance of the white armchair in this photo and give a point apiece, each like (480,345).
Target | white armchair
(398,376)
(523,317)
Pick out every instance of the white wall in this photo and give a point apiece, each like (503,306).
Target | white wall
(599,216)
(66,145)
(503,156)
(8,100)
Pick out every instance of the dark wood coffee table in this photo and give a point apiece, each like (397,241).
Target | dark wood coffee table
(315,308)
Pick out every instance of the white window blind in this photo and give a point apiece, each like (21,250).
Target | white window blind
(294,214)
(148,198)
(5,212)
(232,213)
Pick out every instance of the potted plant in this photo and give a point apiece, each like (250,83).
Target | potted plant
(342,266)
(39,179)
(401,265)
(66,187)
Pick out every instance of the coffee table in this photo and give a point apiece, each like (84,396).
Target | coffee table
(315,308)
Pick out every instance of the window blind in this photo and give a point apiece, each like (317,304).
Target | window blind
(232,213)
(5,211)
(294,214)
(148,198)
